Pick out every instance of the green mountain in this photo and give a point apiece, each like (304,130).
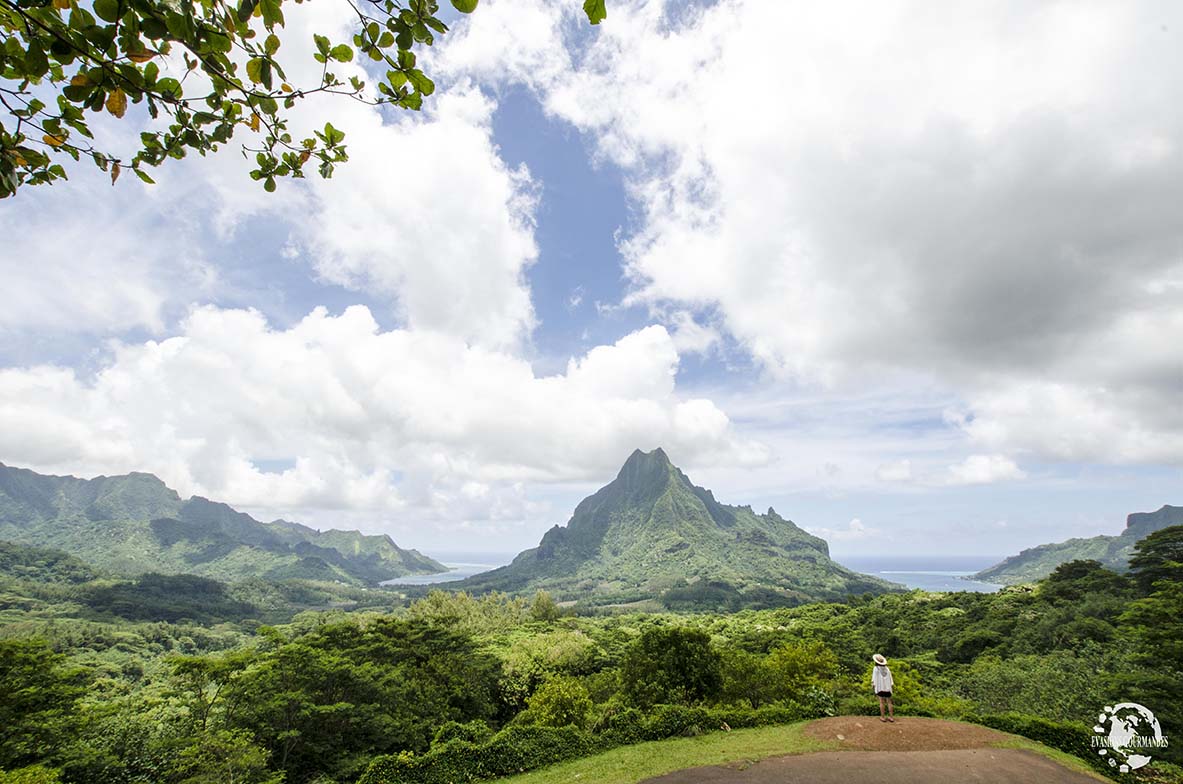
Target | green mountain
(135,524)
(1112,551)
(652,535)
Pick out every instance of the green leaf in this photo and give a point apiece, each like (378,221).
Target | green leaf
(254,69)
(269,185)
(342,53)
(144,176)
(272,15)
(245,9)
(271,45)
(332,135)
(596,11)
(421,82)
(36,63)
(322,44)
(386,40)
(169,86)
(107,10)
(464,6)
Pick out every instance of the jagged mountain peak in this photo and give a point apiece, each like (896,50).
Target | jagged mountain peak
(652,534)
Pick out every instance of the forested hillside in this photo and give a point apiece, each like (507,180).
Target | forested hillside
(1112,551)
(651,539)
(452,687)
(134,524)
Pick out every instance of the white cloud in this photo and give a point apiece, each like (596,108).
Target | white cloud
(74,260)
(429,215)
(983,470)
(690,336)
(411,421)
(854,531)
(981,193)
(898,471)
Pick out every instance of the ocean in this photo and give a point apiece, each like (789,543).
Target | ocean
(930,573)
(460,566)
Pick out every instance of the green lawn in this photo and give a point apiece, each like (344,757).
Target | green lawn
(630,764)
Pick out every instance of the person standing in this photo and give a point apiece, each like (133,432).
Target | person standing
(882,683)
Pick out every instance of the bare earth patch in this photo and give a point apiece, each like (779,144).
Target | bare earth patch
(909,751)
(908,733)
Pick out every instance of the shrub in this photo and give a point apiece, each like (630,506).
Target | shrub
(669,721)
(34,774)
(617,726)
(559,702)
(475,731)
(513,750)
(741,717)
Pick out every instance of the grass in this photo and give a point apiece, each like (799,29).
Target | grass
(630,764)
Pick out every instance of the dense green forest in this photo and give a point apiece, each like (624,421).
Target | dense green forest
(178,679)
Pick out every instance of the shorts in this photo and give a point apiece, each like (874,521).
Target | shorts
(883,694)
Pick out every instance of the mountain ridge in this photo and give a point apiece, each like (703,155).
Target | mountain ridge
(652,534)
(1114,552)
(134,523)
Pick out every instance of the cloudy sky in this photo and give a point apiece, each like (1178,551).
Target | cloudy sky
(910,273)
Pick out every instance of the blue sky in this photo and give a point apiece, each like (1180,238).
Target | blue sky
(917,310)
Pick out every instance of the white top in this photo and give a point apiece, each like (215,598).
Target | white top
(881,678)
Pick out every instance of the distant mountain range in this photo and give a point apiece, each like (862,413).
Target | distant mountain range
(651,534)
(134,524)
(1112,551)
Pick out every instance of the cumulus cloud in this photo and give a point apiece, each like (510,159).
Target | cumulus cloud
(431,217)
(367,419)
(981,193)
(983,470)
(854,531)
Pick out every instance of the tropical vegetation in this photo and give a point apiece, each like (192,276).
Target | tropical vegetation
(376,686)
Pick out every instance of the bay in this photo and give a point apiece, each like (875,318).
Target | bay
(460,566)
(928,573)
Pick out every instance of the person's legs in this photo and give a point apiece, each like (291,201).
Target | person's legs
(890,709)
(881,716)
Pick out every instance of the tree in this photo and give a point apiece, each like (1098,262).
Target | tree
(544,608)
(1158,557)
(671,665)
(795,667)
(38,692)
(560,702)
(1154,626)
(59,58)
(224,757)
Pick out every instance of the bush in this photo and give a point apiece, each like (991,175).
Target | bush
(741,717)
(559,702)
(513,750)
(475,731)
(34,774)
(617,726)
(670,721)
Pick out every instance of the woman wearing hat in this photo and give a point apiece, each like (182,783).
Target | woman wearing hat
(881,682)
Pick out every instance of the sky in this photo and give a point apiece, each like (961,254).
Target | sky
(912,274)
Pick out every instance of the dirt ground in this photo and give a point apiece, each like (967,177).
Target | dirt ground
(909,751)
(908,733)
